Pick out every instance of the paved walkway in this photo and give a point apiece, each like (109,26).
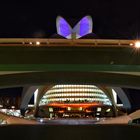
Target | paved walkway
(16,120)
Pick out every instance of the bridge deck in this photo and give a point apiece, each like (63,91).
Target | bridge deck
(110,62)
(66,42)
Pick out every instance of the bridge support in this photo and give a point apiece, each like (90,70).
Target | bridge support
(26,96)
(124,99)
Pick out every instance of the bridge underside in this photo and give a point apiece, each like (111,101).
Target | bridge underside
(43,78)
(25,66)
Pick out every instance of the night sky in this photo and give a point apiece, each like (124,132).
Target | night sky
(111,19)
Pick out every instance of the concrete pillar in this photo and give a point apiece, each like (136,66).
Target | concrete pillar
(41,92)
(27,94)
(124,99)
(108,92)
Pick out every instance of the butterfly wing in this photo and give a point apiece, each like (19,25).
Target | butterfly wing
(63,28)
(83,27)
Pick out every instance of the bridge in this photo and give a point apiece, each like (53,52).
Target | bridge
(31,63)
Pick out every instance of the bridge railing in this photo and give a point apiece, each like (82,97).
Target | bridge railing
(36,42)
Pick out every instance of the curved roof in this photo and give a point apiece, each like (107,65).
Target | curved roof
(75,94)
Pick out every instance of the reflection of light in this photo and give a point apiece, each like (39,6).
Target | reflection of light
(12,107)
(137,44)
(37,43)
(61,111)
(69,108)
(114,95)
(80,108)
(41,120)
(35,95)
(131,44)
(108,110)
(51,109)
(97,113)
(99,109)
(3,110)
(97,119)
(88,111)
(30,43)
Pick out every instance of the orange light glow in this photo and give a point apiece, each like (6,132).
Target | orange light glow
(37,43)
(83,105)
(88,111)
(137,44)
(61,111)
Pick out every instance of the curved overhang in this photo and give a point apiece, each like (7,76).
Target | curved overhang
(84,51)
(95,78)
(27,94)
(123,97)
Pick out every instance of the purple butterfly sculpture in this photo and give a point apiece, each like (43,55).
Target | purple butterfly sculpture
(82,28)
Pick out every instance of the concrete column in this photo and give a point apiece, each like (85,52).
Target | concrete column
(41,92)
(124,99)
(27,94)
(108,92)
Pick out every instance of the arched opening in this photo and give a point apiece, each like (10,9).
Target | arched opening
(75,101)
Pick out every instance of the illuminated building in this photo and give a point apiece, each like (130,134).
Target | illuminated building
(75,93)
(82,28)
(71,100)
